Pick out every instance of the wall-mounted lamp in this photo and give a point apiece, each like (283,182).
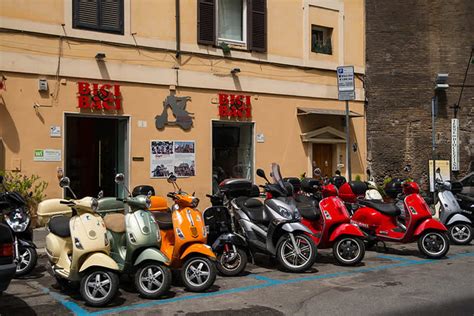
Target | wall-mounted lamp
(36,105)
(235,71)
(100,56)
(441,82)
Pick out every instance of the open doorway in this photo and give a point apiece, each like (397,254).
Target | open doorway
(232,151)
(96,149)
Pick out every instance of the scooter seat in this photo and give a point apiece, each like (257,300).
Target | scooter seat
(115,222)
(308,207)
(164,220)
(59,225)
(253,208)
(384,208)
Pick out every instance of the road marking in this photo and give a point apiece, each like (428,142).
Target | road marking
(267,282)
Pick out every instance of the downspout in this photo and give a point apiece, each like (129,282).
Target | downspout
(178,30)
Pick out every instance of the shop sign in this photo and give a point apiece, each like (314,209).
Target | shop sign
(98,96)
(234,106)
(47,155)
(178,107)
(455,144)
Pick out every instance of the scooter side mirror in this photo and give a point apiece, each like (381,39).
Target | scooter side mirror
(172,178)
(261,174)
(100,195)
(64,182)
(438,170)
(119,178)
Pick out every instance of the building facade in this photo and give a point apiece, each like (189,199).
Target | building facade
(203,89)
(408,44)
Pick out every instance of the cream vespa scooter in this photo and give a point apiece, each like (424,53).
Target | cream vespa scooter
(78,250)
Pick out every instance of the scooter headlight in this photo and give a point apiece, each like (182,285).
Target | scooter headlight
(194,202)
(94,204)
(148,202)
(17,220)
(285,213)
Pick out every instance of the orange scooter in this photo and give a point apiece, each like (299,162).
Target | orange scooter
(184,237)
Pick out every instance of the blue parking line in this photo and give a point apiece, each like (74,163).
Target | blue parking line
(266,282)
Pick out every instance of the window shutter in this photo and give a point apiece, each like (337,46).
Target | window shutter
(111,15)
(257,25)
(86,13)
(206,22)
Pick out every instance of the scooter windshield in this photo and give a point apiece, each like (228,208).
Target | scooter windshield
(277,178)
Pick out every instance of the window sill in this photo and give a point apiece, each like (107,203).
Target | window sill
(234,45)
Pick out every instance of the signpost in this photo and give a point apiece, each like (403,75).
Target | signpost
(455,144)
(346,92)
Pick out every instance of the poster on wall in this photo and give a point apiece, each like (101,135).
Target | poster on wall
(172,157)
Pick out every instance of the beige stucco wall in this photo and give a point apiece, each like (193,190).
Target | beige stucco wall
(44,11)
(326,18)
(25,129)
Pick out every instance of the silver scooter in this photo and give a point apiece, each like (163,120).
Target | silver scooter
(451,214)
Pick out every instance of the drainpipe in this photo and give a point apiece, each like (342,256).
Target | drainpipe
(178,30)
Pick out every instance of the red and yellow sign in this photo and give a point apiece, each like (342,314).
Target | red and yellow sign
(98,96)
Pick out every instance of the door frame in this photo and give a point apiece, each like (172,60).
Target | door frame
(251,123)
(128,142)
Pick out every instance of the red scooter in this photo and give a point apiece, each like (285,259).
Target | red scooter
(324,213)
(405,224)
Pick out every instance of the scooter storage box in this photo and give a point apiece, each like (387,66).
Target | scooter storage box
(143,190)
(309,185)
(49,208)
(295,182)
(233,188)
(158,204)
(110,204)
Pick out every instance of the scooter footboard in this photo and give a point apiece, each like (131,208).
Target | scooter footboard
(429,224)
(346,229)
(100,260)
(198,248)
(151,254)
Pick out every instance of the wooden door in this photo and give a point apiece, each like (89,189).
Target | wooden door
(322,159)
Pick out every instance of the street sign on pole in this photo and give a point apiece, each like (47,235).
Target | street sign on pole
(455,145)
(346,92)
(345,83)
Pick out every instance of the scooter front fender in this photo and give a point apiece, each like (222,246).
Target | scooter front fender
(229,238)
(429,224)
(26,243)
(458,218)
(99,259)
(151,254)
(346,229)
(199,248)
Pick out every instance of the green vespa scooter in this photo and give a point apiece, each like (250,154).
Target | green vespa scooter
(135,242)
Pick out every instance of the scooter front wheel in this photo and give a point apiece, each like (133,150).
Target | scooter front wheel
(99,286)
(198,274)
(232,263)
(460,233)
(433,244)
(27,261)
(297,259)
(152,279)
(348,250)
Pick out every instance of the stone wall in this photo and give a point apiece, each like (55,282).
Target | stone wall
(407,44)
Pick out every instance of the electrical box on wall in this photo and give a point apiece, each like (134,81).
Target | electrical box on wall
(42,85)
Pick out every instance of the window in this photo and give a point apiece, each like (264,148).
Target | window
(98,15)
(241,22)
(321,39)
(231,21)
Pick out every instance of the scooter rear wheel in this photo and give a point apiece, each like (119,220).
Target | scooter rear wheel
(348,250)
(289,257)
(198,274)
(460,233)
(434,244)
(99,286)
(152,279)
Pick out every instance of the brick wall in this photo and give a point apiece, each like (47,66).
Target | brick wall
(408,43)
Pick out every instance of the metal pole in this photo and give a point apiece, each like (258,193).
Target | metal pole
(348,144)
(433,136)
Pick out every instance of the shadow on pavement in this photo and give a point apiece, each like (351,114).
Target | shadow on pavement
(11,305)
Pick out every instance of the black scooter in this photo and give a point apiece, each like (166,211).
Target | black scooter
(229,247)
(15,214)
